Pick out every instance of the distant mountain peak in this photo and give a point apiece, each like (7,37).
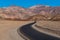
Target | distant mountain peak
(35,6)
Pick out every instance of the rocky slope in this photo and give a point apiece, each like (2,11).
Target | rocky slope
(38,12)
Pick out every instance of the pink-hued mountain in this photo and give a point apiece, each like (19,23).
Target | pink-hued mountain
(38,12)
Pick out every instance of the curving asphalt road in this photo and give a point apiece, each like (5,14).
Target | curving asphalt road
(33,34)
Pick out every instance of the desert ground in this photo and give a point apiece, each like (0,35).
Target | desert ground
(54,25)
(8,29)
(49,26)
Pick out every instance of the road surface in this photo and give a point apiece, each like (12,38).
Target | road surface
(33,34)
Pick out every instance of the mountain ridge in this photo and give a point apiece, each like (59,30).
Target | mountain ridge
(20,13)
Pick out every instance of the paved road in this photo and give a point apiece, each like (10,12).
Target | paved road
(33,34)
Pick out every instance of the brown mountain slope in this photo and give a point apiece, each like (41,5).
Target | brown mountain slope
(32,13)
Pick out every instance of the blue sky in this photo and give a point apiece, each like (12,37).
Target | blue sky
(28,3)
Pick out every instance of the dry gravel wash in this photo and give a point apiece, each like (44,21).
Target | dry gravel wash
(8,29)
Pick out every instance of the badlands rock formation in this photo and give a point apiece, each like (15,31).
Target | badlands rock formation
(38,12)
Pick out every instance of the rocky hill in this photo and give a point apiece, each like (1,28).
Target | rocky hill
(38,12)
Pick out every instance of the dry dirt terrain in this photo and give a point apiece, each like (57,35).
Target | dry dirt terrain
(8,29)
(49,26)
(54,25)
